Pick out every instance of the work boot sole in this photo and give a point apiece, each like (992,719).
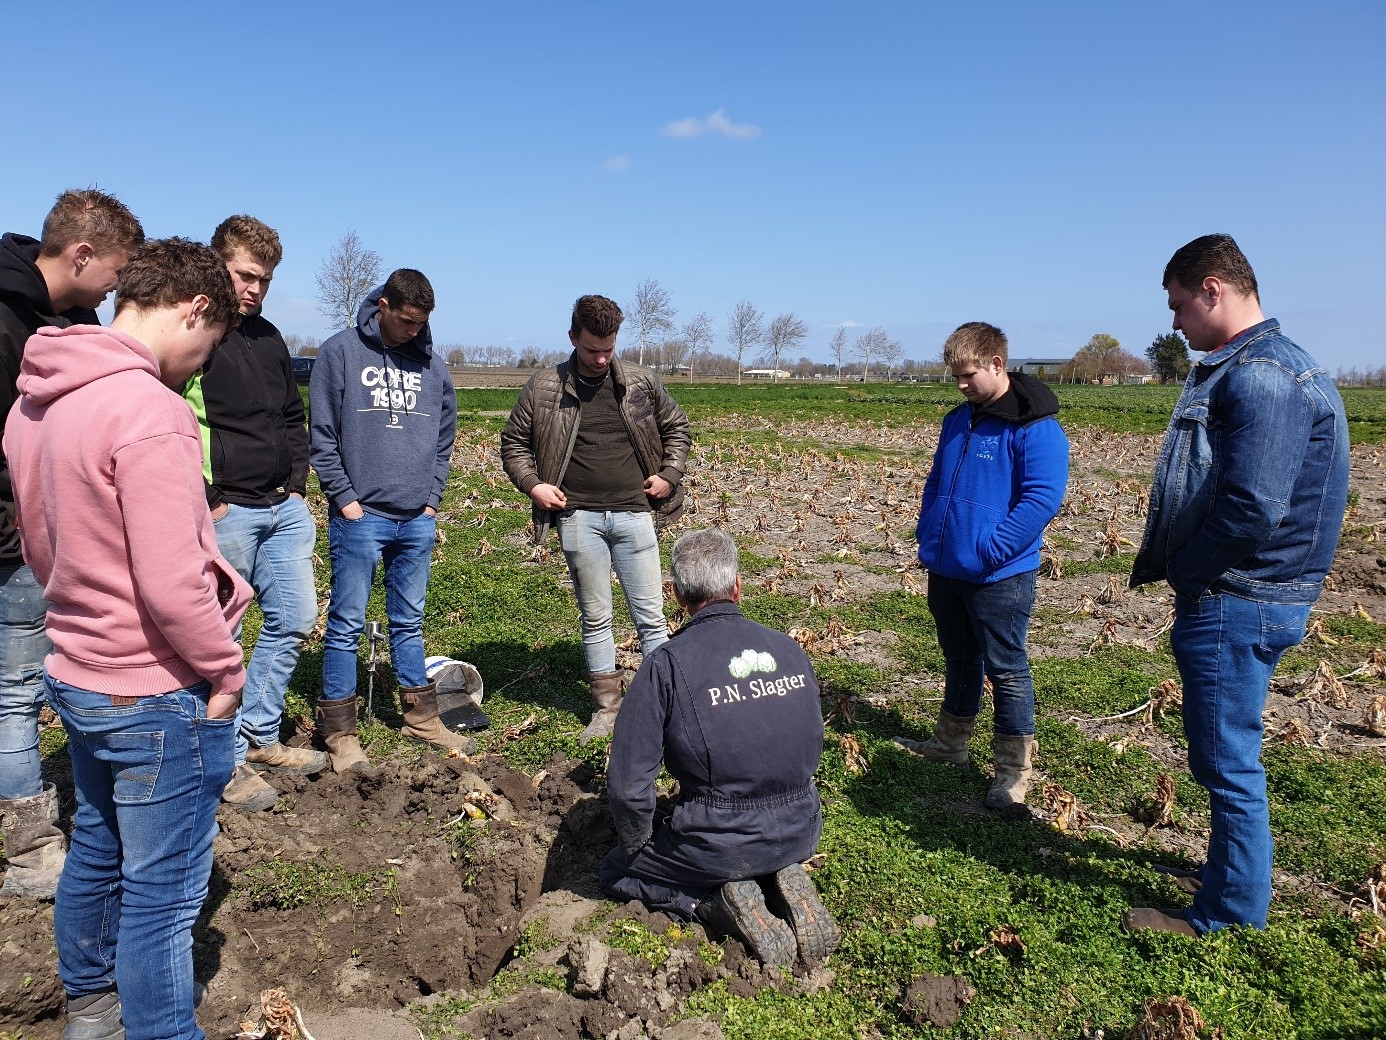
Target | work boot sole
(103,1025)
(1146,919)
(921,749)
(793,897)
(262,802)
(765,935)
(468,746)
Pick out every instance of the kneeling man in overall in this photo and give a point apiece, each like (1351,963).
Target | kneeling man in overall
(731,708)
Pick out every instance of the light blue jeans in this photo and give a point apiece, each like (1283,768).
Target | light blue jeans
(406,549)
(272,548)
(149,773)
(1227,649)
(23,646)
(594,543)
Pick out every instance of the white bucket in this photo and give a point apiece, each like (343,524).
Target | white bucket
(455,677)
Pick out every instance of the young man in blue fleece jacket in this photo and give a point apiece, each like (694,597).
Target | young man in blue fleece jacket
(997,480)
(384,417)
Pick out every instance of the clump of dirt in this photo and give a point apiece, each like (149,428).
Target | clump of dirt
(367,890)
(936,1000)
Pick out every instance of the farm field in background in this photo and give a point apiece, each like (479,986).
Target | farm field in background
(819,484)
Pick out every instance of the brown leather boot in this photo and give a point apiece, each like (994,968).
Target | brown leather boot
(948,743)
(1015,761)
(34,846)
(280,758)
(422,723)
(337,724)
(607,692)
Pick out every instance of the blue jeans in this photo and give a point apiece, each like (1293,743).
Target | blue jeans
(981,629)
(1226,649)
(406,548)
(23,646)
(272,548)
(149,773)
(594,543)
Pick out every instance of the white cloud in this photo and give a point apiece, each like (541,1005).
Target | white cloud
(717,123)
(846,325)
(617,163)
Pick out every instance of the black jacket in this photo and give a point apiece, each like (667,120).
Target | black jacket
(731,708)
(24,309)
(254,437)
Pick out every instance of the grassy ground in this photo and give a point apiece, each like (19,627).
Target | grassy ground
(921,880)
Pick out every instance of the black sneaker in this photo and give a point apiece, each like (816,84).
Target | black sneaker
(738,909)
(94,1017)
(791,895)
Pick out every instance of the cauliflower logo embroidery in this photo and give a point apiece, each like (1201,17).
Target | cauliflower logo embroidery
(749,661)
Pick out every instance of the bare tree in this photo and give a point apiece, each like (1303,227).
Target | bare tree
(787,331)
(697,333)
(301,346)
(456,356)
(891,352)
(653,313)
(837,346)
(344,278)
(673,352)
(869,345)
(745,329)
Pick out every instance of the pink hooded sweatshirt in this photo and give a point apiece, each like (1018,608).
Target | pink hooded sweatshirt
(106,463)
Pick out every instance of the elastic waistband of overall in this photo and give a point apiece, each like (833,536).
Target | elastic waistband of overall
(767,802)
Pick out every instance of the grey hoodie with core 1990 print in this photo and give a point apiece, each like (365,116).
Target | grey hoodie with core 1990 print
(383,419)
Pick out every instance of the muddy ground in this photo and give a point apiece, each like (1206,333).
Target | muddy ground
(383,892)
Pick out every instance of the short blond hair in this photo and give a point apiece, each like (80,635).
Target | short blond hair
(242,232)
(92,216)
(975,343)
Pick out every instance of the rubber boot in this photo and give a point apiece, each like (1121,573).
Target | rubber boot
(948,743)
(606,694)
(337,724)
(34,846)
(792,897)
(94,1017)
(422,723)
(738,909)
(1015,759)
(278,758)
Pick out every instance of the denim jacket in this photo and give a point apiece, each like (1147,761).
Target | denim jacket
(1252,482)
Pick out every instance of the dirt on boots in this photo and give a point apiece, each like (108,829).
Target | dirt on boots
(607,691)
(948,743)
(34,845)
(279,758)
(337,724)
(1015,759)
(738,909)
(422,723)
(791,895)
(247,791)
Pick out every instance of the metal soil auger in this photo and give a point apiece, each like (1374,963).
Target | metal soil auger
(375,634)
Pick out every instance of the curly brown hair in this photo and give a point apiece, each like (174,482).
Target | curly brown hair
(169,271)
(596,314)
(243,232)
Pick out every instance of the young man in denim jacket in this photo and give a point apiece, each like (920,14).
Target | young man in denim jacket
(997,479)
(1245,513)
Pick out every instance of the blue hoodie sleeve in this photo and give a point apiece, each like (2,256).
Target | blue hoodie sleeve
(326,389)
(447,435)
(1042,472)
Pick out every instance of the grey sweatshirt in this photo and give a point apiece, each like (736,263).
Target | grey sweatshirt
(383,419)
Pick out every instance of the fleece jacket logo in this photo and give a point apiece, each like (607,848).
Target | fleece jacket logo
(988,448)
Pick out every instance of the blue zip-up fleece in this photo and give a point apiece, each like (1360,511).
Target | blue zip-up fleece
(731,709)
(997,479)
(383,419)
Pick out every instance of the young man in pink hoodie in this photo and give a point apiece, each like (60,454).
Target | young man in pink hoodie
(106,461)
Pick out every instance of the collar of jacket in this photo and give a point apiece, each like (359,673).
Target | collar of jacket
(717,608)
(1239,341)
(567,375)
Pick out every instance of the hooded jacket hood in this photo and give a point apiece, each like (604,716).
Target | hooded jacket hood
(58,361)
(22,287)
(1029,400)
(368,324)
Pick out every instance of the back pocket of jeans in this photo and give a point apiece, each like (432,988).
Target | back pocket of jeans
(136,758)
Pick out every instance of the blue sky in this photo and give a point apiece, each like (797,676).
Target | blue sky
(905,165)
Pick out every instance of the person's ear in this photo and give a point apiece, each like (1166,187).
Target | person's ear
(197,310)
(82,253)
(736,590)
(1214,288)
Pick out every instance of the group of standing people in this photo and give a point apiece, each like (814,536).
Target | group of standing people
(153,484)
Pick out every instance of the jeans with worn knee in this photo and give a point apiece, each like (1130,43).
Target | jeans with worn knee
(981,630)
(405,547)
(149,773)
(596,543)
(272,548)
(23,646)
(1226,649)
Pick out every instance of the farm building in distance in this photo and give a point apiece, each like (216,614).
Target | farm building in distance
(1040,368)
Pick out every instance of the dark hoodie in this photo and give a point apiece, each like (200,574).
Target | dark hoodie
(383,419)
(997,479)
(24,309)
